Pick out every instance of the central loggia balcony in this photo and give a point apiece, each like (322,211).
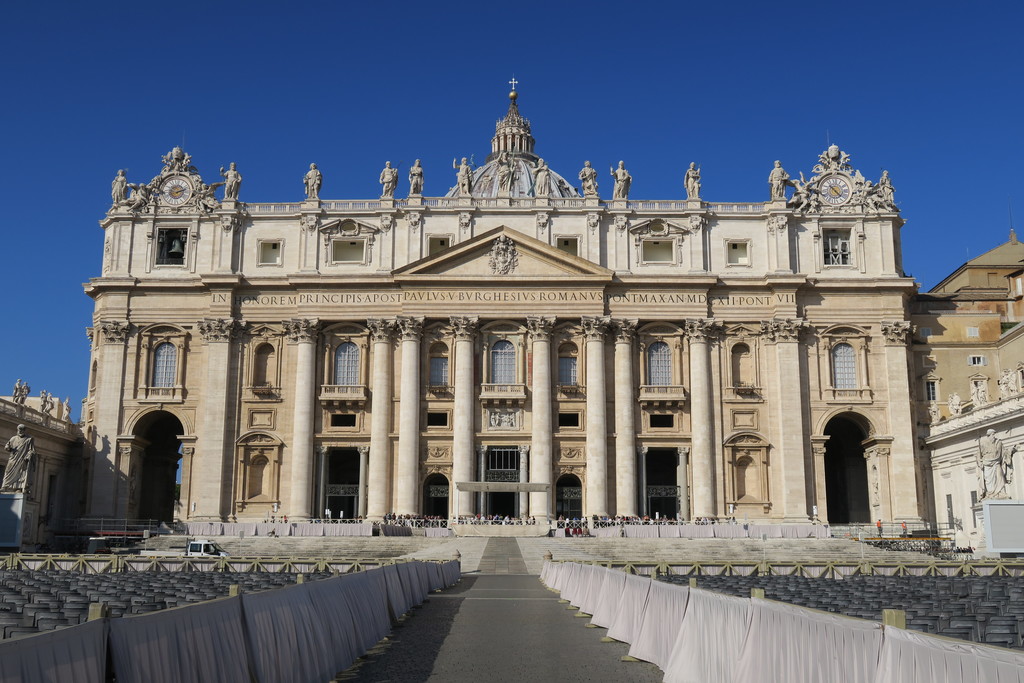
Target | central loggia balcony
(502,393)
(342,394)
(664,394)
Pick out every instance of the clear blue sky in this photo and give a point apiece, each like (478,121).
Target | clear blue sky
(930,91)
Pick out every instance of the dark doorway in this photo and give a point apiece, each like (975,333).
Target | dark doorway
(662,488)
(342,494)
(502,503)
(435,496)
(568,497)
(154,492)
(846,473)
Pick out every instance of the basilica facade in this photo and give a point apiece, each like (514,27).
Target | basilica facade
(520,347)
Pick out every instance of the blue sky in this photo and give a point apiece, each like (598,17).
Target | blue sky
(930,91)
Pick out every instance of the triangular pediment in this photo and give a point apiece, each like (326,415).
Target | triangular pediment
(503,254)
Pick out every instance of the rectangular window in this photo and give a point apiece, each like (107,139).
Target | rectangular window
(657,251)
(950,520)
(270,253)
(837,248)
(973,333)
(567,370)
(974,504)
(502,458)
(738,253)
(343,420)
(568,419)
(570,245)
(438,419)
(976,360)
(348,251)
(170,246)
(662,421)
(931,390)
(436,244)
(439,371)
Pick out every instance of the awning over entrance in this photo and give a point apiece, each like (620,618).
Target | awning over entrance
(501,487)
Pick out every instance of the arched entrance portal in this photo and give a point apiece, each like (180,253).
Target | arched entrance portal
(342,490)
(846,473)
(435,496)
(153,487)
(568,497)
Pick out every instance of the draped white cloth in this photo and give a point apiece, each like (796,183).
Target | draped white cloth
(368,600)
(438,532)
(911,657)
(788,643)
(77,654)
(200,642)
(696,531)
(332,602)
(663,617)
(608,602)
(626,624)
(348,529)
(709,639)
(640,530)
(399,600)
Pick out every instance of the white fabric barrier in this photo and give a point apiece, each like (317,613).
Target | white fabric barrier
(788,643)
(911,657)
(183,644)
(438,532)
(287,640)
(663,617)
(709,638)
(589,575)
(640,530)
(627,621)
(77,654)
(368,600)
(348,529)
(332,602)
(572,583)
(608,600)
(399,600)
(696,531)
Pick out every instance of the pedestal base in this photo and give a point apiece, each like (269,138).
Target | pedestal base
(11,522)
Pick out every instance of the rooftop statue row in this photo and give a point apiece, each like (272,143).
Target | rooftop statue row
(835,186)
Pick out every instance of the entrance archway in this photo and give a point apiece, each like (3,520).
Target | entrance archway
(157,480)
(661,467)
(568,497)
(846,473)
(342,494)
(435,496)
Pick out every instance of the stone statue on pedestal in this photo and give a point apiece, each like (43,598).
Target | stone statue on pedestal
(541,179)
(21,392)
(955,405)
(622,181)
(778,179)
(119,188)
(588,177)
(232,182)
(995,466)
(388,181)
(313,180)
(464,178)
(416,179)
(692,181)
(23,451)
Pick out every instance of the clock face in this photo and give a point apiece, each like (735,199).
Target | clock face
(835,190)
(175,191)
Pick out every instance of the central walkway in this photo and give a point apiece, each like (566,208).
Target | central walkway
(499,624)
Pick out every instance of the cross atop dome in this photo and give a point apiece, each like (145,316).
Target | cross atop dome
(513,83)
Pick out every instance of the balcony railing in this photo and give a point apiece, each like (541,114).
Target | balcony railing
(342,393)
(569,391)
(739,391)
(663,393)
(848,395)
(162,394)
(502,392)
(265,391)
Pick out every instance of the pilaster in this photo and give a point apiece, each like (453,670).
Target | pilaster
(111,336)
(905,503)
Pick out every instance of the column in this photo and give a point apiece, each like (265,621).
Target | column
(110,336)
(625,419)
(540,439)
(303,332)
(594,330)
(820,495)
(702,449)
(364,457)
(790,385)
(683,481)
(211,487)
(641,456)
(524,497)
(378,500)
(905,505)
(481,475)
(409,416)
(463,427)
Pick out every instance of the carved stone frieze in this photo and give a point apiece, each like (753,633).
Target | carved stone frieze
(501,419)
(387,221)
(439,453)
(595,327)
(593,220)
(415,219)
(310,222)
(783,329)
(897,331)
(464,327)
(465,220)
(777,224)
(540,326)
(301,329)
(381,329)
(114,331)
(230,222)
(570,453)
(697,223)
(504,258)
(543,219)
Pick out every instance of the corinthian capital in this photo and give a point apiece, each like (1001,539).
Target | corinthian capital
(302,329)
(540,326)
(218,329)
(410,328)
(114,331)
(625,330)
(595,327)
(897,331)
(381,329)
(783,329)
(702,329)
(464,327)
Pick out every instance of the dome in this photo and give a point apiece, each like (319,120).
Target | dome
(512,154)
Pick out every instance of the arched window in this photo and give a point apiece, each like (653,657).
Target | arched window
(503,363)
(742,367)
(92,376)
(439,365)
(567,354)
(165,365)
(659,364)
(263,372)
(346,364)
(844,367)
